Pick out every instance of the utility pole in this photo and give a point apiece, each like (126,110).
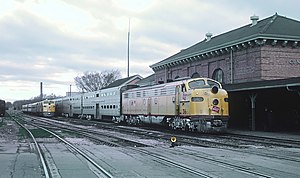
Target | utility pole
(128,37)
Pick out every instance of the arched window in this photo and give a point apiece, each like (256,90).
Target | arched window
(218,75)
(195,75)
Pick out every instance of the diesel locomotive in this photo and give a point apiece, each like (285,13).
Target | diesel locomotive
(198,104)
(44,108)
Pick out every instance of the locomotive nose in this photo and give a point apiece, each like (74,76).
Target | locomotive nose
(214,89)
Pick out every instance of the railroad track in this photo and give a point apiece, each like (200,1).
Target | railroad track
(209,142)
(94,135)
(97,169)
(263,140)
(205,140)
(233,142)
(224,142)
(190,169)
(41,157)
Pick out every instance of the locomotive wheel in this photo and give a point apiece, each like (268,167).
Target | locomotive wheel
(186,128)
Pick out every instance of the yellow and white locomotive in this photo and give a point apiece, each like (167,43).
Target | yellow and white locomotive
(44,108)
(198,104)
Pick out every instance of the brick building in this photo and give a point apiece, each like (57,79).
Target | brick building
(262,51)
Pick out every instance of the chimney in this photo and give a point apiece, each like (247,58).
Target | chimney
(208,36)
(41,95)
(254,19)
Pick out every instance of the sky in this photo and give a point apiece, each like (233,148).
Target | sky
(53,41)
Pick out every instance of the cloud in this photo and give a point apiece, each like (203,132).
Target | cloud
(54,41)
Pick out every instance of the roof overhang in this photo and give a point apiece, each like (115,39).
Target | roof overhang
(265,84)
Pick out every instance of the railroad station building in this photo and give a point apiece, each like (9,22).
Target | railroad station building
(258,64)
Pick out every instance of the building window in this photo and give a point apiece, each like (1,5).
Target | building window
(195,75)
(218,75)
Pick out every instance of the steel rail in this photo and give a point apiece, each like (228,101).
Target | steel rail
(264,140)
(184,167)
(192,170)
(107,174)
(38,149)
(176,164)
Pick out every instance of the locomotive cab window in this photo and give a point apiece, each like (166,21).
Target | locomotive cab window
(197,84)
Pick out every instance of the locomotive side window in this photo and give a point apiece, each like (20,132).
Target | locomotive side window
(126,95)
(183,88)
(212,83)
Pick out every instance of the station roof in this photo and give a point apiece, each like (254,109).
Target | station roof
(123,81)
(265,84)
(150,80)
(275,27)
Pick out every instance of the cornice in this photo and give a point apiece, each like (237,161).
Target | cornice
(226,48)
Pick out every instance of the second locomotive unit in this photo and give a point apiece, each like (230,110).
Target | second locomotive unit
(44,108)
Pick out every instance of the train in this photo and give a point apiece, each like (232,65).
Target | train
(2,108)
(45,108)
(194,104)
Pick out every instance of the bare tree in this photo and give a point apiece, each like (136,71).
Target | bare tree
(92,81)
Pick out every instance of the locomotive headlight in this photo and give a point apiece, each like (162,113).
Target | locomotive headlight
(214,89)
(215,102)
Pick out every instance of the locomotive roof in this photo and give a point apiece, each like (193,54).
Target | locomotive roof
(173,83)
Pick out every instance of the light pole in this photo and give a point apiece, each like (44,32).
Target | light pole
(128,37)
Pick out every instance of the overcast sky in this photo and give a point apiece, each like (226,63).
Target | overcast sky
(53,41)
